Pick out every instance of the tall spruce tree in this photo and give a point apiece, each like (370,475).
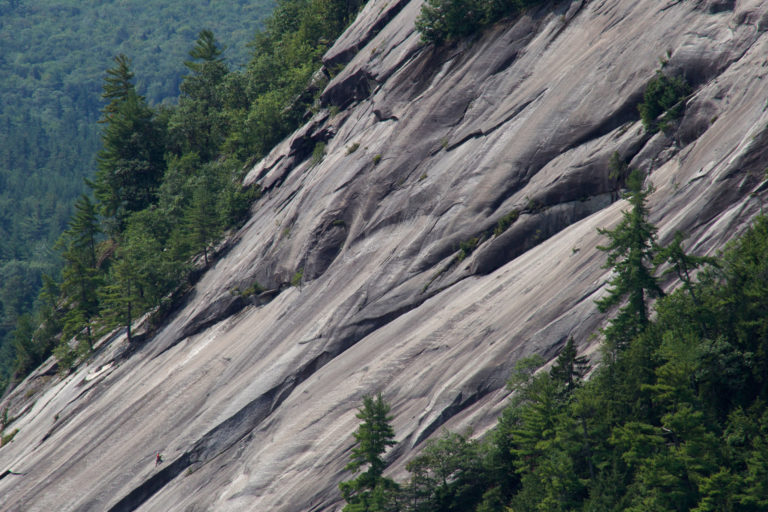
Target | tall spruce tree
(202,216)
(569,368)
(118,83)
(375,434)
(131,162)
(631,249)
(121,297)
(199,124)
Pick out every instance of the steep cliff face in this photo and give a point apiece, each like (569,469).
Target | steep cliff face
(252,398)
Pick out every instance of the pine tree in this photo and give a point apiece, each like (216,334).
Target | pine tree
(117,85)
(755,492)
(199,124)
(448,474)
(202,215)
(121,297)
(569,368)
(206,49)
(84,228)
(373,436)
(682,264)
(131,162)
(631,248)
(80,277)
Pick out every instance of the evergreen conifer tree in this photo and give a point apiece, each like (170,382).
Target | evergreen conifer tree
(121,298)
(631,249)
(202,216)
(373,437)
(131,162)
(569,368)
(118,84)
(199,124)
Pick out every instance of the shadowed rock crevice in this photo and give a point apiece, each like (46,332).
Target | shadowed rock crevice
(142,493)
(353,88)
(220,309)
(482,383)
(222,437)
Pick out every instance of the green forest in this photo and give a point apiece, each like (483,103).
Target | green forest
(116,190)
(107,229)
(673,418)
(54,57)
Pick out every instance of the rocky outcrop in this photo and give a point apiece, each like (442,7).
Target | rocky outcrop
(252,401)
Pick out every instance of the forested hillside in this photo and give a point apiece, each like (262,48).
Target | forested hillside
(53,59)
(442,255)
(674,417)
(166,182)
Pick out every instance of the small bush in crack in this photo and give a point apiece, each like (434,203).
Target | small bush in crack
(503,224)
(296,279)
(254,289)
(663,101)
(318,153)
(351,149)
(466,248)
(446,20)
(7,438)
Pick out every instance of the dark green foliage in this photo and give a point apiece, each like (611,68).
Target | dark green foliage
(569,368)
(80,278)
(168,177)
(617,176)
(131,162)
(442,21)
(28,353)
(467,247)
(296,279)
(199,122)
(54,57)
(118,84)
(446,20)
(631,248)
(318,153)
(506,221)
(366,492)
(285,57)
(448,475)
(202,216)
(663,101)
(676,423)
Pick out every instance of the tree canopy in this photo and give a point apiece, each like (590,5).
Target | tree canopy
(167,179)
(372,438)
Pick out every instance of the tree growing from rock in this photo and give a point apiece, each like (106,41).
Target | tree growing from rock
(80,278)
(569,368)
(131,162)
(366,492)
(631,250)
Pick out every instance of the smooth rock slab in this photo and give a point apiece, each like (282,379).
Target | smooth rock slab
(253,402)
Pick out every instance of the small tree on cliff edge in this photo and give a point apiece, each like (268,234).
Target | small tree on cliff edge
(366,492)
(631,247)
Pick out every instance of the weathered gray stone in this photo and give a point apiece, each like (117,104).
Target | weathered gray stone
(252,400)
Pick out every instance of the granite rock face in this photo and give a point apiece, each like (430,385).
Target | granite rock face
(405,285)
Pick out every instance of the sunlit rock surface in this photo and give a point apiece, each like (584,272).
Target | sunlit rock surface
(252,399)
